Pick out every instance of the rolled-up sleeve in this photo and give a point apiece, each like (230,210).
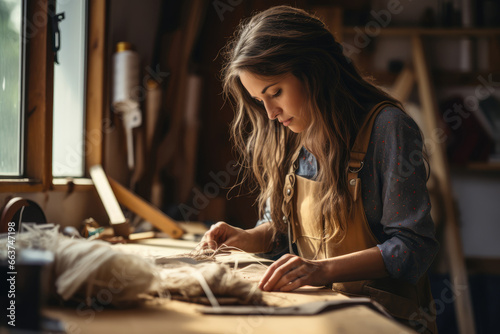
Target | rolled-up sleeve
(398,198)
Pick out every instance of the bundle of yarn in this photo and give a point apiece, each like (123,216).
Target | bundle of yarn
(90,270)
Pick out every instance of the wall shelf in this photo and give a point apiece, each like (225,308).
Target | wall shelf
(483,166)
(444,32)
(440,77)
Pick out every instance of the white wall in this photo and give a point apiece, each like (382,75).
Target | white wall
(478,198)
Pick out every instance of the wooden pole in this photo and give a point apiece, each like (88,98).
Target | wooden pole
(440,168)
(404,85)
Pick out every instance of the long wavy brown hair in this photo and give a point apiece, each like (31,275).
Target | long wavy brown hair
(279,41)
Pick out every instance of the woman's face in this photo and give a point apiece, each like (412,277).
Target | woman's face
(283,97)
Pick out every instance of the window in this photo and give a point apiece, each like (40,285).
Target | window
(10,88)
(69,92)
(44,90)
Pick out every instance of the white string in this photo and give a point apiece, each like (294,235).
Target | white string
(241,250)
(206,288)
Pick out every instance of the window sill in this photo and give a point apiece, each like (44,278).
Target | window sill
(32,185)
(20,185)
(72,184)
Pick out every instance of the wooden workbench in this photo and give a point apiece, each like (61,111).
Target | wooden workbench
(171,316)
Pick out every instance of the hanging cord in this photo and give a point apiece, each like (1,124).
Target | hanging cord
(20,219)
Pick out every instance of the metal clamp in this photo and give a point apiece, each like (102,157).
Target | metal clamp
(357,170)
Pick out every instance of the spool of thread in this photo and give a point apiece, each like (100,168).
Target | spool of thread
(125,77)
(125,92)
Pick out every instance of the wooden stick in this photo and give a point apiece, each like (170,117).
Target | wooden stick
(96,62)
(146,210)
(404,85)
(458,273)
(117,219)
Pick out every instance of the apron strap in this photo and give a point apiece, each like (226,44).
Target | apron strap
(360,146)
(288,192)
(294,164)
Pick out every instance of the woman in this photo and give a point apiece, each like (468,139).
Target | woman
(326,149)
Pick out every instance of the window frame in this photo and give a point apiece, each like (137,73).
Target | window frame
(38,82)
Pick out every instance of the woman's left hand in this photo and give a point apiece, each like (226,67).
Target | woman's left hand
(291,272)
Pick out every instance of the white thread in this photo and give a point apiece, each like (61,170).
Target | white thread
(206,288)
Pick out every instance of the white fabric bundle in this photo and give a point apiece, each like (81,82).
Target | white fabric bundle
(95,271)
(91,269)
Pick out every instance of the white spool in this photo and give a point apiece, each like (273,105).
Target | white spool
(125,78)
(125,92)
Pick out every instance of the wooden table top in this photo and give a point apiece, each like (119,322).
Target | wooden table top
(173,316)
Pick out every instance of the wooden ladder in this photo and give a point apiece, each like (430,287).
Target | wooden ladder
(441,172)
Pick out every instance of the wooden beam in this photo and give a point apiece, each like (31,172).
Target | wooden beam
(39,88)
(440,168)
(434,32)
(95,82)
(142,208)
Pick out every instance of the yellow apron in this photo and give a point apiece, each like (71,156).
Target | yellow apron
(408,303)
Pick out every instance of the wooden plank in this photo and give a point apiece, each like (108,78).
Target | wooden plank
(447,32)
(95,82)
(190,139)
(142,208)
(440,168)
(39,88)
(117,219)
(141,236)
(484,166)
(183,41)
(20,185)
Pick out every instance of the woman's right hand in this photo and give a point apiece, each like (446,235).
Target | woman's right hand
(255,240)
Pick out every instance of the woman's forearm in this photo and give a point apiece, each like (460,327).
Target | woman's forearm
(291,272)
(365,264)
(261,237)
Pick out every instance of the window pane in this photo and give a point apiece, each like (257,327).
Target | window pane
(10,87)
(68,149)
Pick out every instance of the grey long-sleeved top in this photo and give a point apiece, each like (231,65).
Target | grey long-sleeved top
(394,194)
